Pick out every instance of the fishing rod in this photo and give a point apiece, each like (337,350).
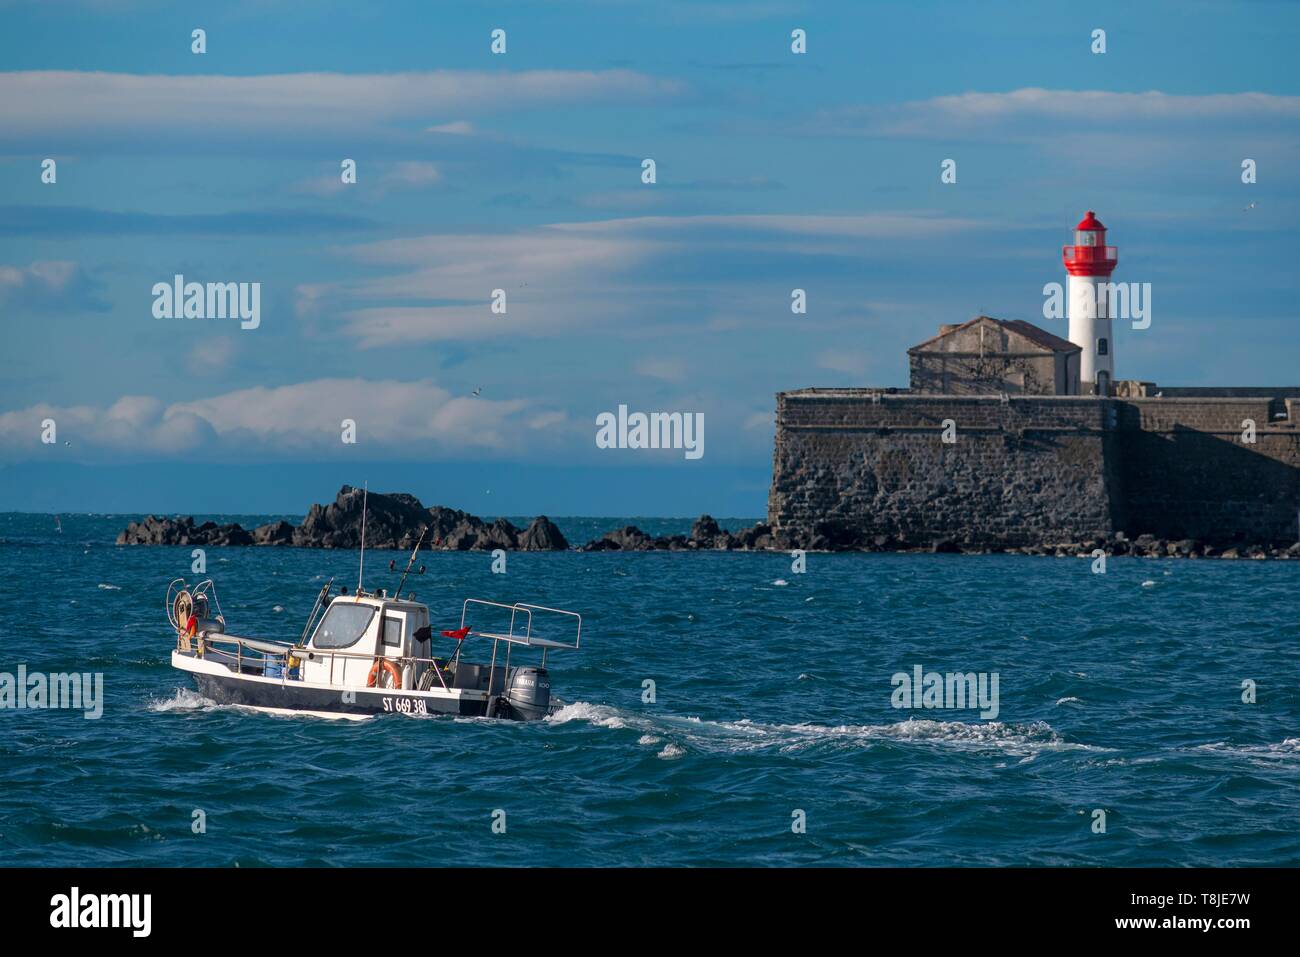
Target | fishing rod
(320,597)
(409,562)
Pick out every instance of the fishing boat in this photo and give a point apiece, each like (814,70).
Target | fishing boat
(368,653)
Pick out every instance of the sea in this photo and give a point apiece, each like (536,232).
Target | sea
(725,709)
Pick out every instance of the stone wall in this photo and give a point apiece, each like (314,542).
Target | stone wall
(961,373)
(857,468)
(1186,470)
(851,469)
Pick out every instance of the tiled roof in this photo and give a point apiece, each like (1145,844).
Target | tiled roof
(1040,337)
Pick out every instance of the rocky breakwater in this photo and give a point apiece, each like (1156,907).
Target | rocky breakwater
(396,520)
(839,539)
(705,536)
(392,521)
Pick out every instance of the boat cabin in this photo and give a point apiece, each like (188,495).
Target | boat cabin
(356,629)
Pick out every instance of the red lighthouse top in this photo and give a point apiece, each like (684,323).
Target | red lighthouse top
(1089,255)
(1090,221)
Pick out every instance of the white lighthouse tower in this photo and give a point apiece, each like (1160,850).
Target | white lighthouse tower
(1090,262)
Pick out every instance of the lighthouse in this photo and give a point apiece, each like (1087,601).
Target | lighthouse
(1089,261)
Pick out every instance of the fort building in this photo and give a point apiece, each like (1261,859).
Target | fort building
(1008,435)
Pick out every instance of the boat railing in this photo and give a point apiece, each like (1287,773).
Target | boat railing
(521,624)
(283,651)
(520,633)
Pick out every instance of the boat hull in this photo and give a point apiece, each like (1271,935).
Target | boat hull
(278,696)
(328,702)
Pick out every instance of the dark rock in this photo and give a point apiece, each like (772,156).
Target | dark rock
(601,545)
(629,538)
(276,533)
(182,531)
(705,529)
(757,536)
(390,519)
(1144,544)
(451,523)
(500,534)
(393,521)
(542,535)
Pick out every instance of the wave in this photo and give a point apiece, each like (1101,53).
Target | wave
(1021,740)
(183,700)
(108,587)
(1287,748)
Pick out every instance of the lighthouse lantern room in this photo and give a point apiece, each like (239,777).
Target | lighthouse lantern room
(1089,262)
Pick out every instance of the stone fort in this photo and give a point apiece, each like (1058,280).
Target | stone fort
(1010,436)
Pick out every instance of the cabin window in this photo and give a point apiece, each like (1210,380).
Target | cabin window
(343,625)
(393,632)
(1103,347)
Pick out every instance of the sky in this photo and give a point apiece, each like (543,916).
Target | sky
(522,171)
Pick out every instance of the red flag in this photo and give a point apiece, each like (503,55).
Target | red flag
(459,634)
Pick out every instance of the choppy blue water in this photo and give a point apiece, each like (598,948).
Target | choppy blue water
(1119,692)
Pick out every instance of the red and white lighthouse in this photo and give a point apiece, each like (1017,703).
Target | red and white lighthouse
(1090,262)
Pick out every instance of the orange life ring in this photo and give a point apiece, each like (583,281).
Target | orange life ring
(389,667)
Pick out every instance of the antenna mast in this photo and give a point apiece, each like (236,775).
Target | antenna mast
(365,494)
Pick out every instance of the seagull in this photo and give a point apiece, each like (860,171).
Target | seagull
(1250,207)
(477,391)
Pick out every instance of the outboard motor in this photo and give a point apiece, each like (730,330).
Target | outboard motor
(529,692)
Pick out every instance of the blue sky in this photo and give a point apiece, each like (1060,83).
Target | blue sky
(522,172)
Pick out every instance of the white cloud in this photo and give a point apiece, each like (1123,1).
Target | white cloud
(669,370)
(214,357)
(387,177)
(1033,112)
(34,103)
(537,269)
(413,174)
(48,284)
(568,276)
(401,420)
(455,128)
(49,276)
(895,225)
